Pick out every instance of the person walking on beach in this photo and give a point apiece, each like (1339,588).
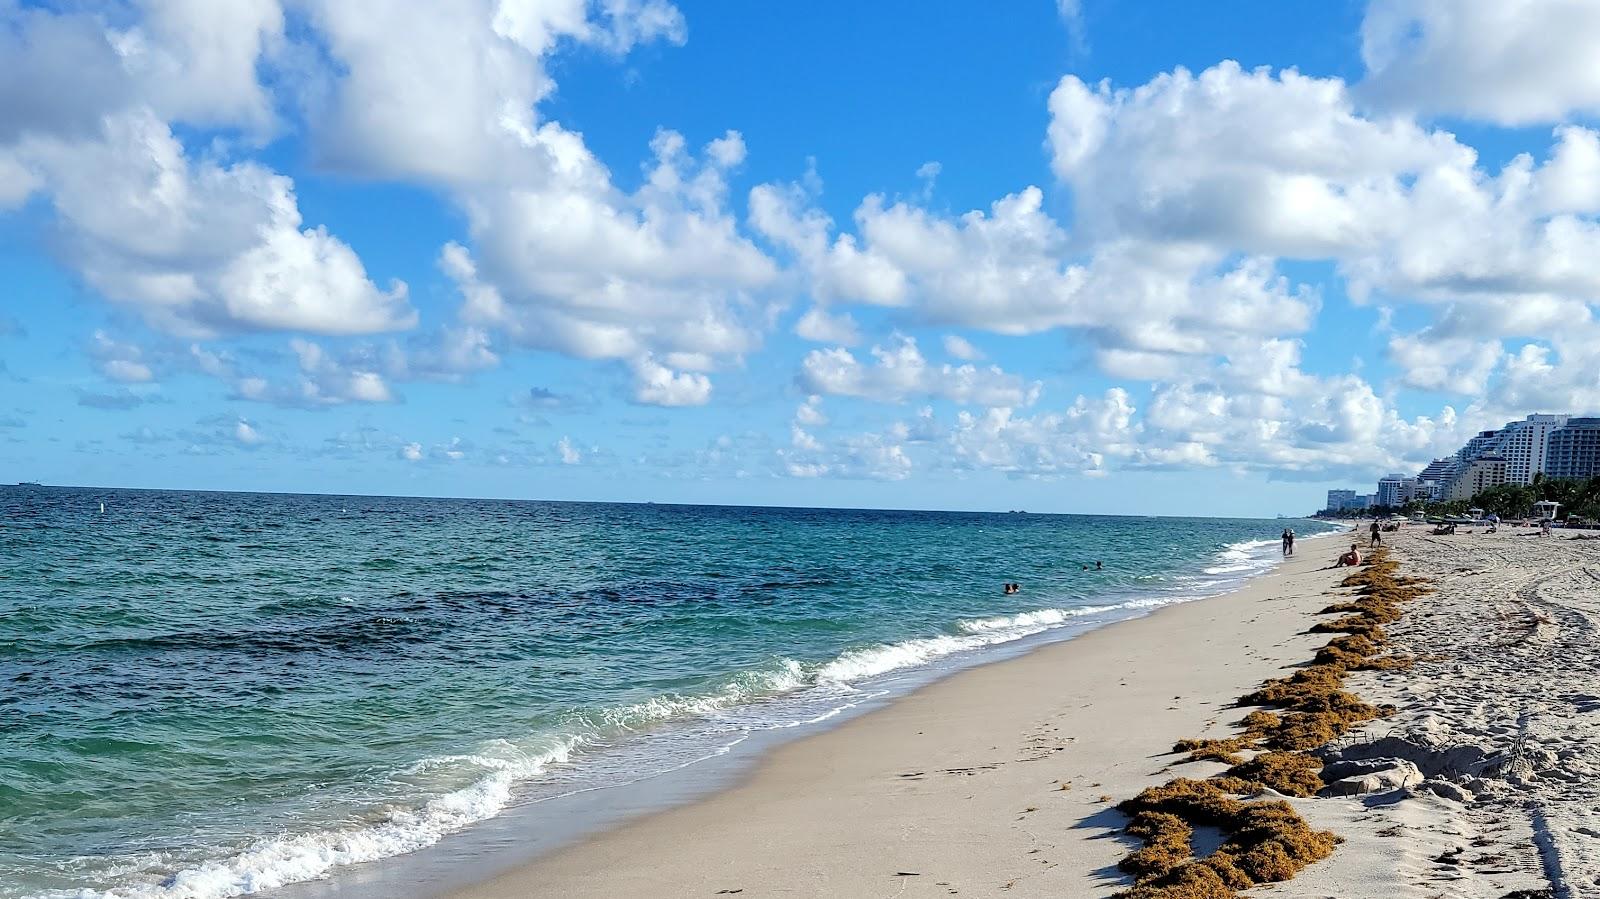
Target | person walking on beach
(1377,538)
(1288,541)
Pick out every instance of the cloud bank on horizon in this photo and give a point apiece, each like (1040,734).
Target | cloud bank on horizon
(1148,302)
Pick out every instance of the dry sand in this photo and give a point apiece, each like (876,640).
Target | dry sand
(1000,781)
(1503,707)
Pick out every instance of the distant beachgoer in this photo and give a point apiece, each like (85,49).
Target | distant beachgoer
(1099,566)
(1085,566)
(1016,588)
(1377,538)
(1010,588)
(1544,527)
(1351,558)
(1288,541)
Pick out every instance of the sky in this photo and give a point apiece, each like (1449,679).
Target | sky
(1085,256)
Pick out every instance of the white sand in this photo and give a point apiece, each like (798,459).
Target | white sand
(1504,702)
(958,788)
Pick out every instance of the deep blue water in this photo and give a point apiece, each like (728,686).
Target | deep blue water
(204,694)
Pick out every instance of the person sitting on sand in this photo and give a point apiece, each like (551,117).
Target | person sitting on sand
(1351,558)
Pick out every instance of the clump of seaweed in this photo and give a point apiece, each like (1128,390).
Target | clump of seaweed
(1290,773)
(1266,840)
(1225,751)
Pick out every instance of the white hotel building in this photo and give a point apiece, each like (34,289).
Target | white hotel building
(1524,444)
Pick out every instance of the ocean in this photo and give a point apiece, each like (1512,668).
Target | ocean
(210,694)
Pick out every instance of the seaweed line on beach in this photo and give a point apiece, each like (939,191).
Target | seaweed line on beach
(1266,840)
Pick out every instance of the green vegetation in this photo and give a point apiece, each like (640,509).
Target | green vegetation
(1579,498)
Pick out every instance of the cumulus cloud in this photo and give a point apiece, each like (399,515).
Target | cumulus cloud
(961,348)
(658,385)
(1448,364)
(323,379)
(810,412)
(899,371)
(1281,164)
(818,325)
(196,245)
(1514,63)
(868,456)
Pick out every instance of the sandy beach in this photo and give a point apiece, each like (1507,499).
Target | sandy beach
(1002,780)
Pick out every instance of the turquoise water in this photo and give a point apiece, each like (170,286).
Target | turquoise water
(210,694)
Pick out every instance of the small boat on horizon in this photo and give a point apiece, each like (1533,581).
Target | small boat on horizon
(29,484)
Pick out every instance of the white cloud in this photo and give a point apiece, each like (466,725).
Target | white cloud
(810,412)
(817,325)
(899,372)
(568,453)
(246,434)
(119,360)
(203,248)
(961,348)
(1285,165)
(1517,62)
(657,385)
(1000,440)
(580,269)
(1252,161)
(411,452)
(802,439)
(473,118)
(1449,364)
(196,61)
(870,456)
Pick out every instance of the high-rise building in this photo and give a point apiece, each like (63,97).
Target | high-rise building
(1524,445)
(1476,446)
(1574,451)
(1437,470)
(1431,480)
(1480,474)
(1393,490)
(1339,500)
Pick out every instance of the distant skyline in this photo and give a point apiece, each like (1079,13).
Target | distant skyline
(1157,258)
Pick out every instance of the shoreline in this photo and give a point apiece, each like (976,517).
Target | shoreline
(963,775)
(531,828)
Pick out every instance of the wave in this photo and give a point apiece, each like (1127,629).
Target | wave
(293,858)
(1246,555)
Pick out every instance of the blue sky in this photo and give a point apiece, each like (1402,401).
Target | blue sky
(1085,257)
